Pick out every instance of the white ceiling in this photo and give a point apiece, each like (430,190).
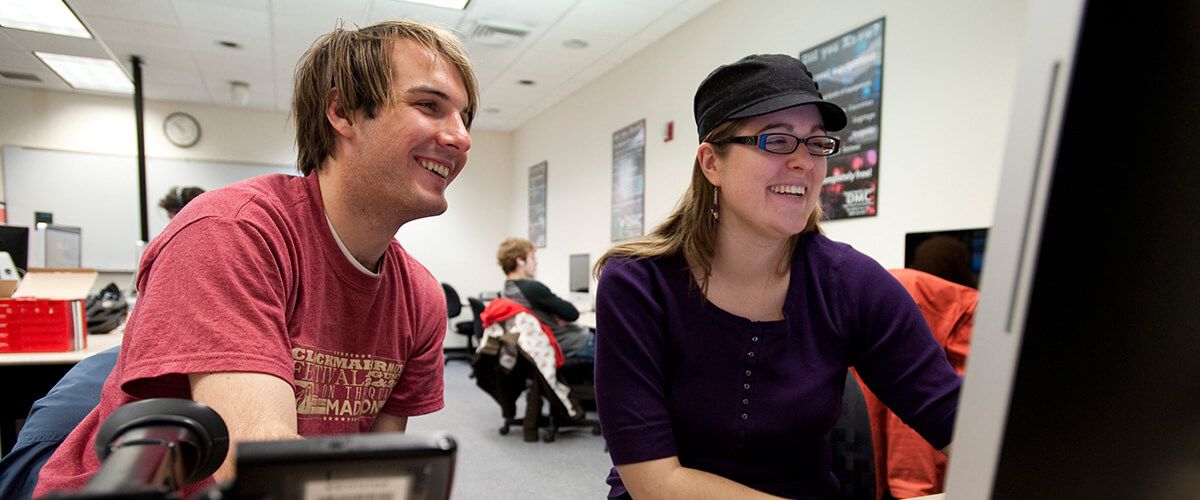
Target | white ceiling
(182,61)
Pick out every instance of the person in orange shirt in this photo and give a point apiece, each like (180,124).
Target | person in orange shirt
(906,466)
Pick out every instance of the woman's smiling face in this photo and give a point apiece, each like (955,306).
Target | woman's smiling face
(765,193)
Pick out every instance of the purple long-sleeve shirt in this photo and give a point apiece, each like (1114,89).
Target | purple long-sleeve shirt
(754,401)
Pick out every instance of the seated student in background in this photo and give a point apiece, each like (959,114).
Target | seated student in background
(284,302)
(906,466)
(177,198)
(517,260)
(723,337)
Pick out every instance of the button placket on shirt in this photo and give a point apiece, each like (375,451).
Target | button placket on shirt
(749,362)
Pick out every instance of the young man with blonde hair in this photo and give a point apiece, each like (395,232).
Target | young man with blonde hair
(517,259)
(285,303)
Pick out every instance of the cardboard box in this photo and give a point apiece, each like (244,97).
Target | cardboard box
(46,312)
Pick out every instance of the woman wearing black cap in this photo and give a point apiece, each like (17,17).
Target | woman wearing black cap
(724,336)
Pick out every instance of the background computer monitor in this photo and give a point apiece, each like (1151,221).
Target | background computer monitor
(580,275)
(15,241)
(64,247)
(1083,380)
(974,242)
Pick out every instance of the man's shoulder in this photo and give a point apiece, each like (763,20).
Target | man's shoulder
(251,196)
(411,272)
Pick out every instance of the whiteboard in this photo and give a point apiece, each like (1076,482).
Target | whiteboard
(98,193)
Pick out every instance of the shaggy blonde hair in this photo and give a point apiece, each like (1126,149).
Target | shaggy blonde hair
(511,250)
(358,64)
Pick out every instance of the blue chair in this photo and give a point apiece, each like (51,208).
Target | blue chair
(51,419)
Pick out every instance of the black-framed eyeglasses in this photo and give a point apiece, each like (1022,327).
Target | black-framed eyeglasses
(785,144)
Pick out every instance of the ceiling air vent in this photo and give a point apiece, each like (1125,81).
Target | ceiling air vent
(494,33)
(13,75)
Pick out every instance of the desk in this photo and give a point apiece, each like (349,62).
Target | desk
(588,319)
(95,344)
(36,373)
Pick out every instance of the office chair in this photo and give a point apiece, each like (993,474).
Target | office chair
(853,450)
(467,328)
(506,382)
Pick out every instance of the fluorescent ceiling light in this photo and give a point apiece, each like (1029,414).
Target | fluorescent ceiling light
(446,4)
(47,16)
(87,73)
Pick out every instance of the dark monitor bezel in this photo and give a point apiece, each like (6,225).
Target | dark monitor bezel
(20,255)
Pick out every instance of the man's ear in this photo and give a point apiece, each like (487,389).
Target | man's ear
(706,155)
(338,116)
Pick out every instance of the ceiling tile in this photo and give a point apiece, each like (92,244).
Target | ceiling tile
(44,42)
(315,17)
(536,14)
(176,38)
(386,10)
(164,62)
(161,91)
(618,21)
(142,11)
(250,21)
(694,7)
(207,42)
(7,43)
(112,30)
(19,60)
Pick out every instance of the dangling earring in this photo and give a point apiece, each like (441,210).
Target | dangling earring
(715,209)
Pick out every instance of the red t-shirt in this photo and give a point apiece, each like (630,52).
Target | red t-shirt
(250,278)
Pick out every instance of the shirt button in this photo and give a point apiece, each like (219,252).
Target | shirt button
(751,354)
(745,416)
(745,386)
(745,401)
(754,339)
(747,373)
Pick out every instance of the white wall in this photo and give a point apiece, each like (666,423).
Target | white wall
(949,73)
(459,246)
(479,198)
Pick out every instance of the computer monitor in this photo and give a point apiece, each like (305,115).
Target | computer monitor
(580,272)
(64,247)
(965,244)
(387,465)
(15,241)
(1082,381)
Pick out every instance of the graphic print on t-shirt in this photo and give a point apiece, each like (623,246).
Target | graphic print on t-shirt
(338,386)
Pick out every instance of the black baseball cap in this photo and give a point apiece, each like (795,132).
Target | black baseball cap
(756,85)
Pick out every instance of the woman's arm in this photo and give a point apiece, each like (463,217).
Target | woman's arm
(665,478)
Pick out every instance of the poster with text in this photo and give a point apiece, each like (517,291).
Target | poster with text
(537,205)
(628,181)
(849,72)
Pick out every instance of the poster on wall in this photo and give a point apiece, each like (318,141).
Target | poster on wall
(628,181)
(849,71)
(537,205)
